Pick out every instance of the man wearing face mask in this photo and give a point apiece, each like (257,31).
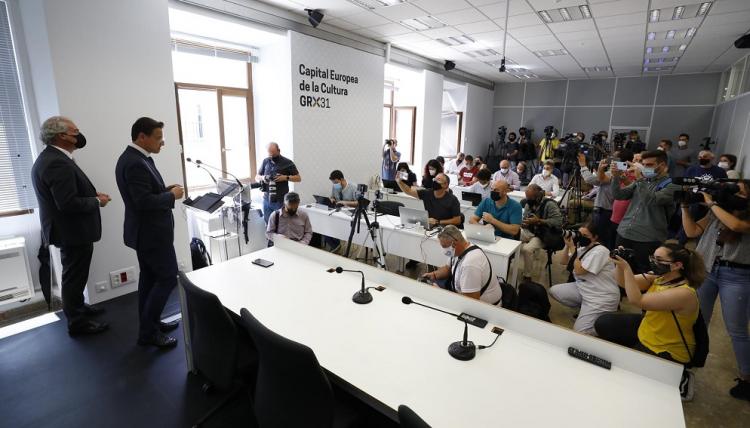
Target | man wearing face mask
(342,192)
(482,186)
(706,170)
(469,271)
(503,213)
(603,202)
(274,174)
(547,180)
(290,222)
(512,148)
(468,173)
(634,143)
(69,214)
(665,145)
(684,155)
(644,225)
(541,215)
(524,173)
(454,166)
(505,173)
(594,291)
(442,206)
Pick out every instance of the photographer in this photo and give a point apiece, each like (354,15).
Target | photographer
(512,149)
(670,303)
(541,217)
(634,143)
(594,290)
(391,157)
(549,144)
(526,149)
(651,196)
(604,198)
(441,205)
(274,174)
(725,245)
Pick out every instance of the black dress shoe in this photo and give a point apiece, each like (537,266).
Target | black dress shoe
(91,311)
(87,327)
(159,340)
(166,327)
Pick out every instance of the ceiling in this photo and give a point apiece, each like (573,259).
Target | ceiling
(613,41)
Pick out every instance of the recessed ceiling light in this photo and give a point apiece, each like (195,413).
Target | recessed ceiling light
(704,8)
(690,32)
(651,36)
(565,14)
(585,11)
(423,23)
(550,52)
(647,60)
(670,34)
(374,4)
(683,47)
(678,11)
(665,49)
(654,15)
(545,16)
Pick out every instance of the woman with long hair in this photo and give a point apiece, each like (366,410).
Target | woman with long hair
(431,170)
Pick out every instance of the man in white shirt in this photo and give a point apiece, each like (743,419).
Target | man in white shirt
(547,181)
(454,166)
(594,291)
(482,186)
(507,175)
(469,271)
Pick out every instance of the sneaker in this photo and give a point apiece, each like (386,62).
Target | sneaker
(741,390)
(687,386)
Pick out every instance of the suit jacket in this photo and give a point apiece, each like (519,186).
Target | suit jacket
(148,204)
(68,207)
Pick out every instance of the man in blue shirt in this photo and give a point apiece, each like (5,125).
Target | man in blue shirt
(391,158)
(503,213)
(705,170)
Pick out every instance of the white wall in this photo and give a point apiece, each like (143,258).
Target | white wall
(478,120)
(346,136)
(104,74)
(433,111)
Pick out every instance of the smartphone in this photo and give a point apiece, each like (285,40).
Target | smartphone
(622,166)
(404,175)
(262,263)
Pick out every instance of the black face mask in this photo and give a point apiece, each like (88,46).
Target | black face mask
(436,185)
(496,196)
(511,139)
(704,162)
(275,158)
(291,212)
(659,268)
(80,141)
(584,241)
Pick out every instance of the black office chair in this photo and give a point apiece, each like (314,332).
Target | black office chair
(408,419)
(292,390)
(222,352)
(389,208)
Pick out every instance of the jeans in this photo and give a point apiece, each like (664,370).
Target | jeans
(732,285)
(269,207)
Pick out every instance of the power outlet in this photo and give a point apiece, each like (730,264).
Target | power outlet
(102,286)
(122,277)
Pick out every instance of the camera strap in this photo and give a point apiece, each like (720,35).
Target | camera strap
(459,260)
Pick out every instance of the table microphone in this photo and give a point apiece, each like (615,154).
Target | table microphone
(463,350)
(362,296)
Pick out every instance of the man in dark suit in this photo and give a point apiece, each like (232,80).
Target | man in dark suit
(69,213)
(149,228)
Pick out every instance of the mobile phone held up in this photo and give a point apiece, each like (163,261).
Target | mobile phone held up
(622,166)
(262,263)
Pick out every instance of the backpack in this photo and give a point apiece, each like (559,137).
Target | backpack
(198,254)
(510,297)
(552,238)
(700,331)
(533,300)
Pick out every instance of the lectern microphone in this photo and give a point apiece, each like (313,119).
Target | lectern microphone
(197,164)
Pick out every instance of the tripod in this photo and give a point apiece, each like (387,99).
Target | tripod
(574,188)
(371,227)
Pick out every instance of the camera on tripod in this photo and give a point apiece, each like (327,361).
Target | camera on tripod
(723,191)
(550,132)
(501,133)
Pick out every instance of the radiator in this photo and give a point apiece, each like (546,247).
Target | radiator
(15,274)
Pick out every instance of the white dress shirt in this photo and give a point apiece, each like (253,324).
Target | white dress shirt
(549,184)
(67,153)
(140,149)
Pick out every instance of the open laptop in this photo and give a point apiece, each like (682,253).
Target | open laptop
(324,201)
(474,198)
(411,216)
(479,232)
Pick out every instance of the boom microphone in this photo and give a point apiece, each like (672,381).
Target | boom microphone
(362,296)
(463,350)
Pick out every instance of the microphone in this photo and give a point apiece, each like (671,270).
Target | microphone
(362,296)
(205,165)
(197,164)
(463,350)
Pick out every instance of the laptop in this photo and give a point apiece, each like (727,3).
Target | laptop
(391,184)
(324,201)
(474,198)
(479,232)
(411,216)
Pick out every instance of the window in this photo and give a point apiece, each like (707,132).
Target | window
(16,160)
(399,123)
(451,125)
(215,110)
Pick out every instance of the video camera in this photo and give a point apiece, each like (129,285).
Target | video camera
(550,132)
(723,191)
(388,142)
(619,139)
(501,133)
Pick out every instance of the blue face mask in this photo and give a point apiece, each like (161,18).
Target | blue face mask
(648,172)
(336,186)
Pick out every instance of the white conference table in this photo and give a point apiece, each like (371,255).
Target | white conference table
(392,354)
(412,243)
(411,202)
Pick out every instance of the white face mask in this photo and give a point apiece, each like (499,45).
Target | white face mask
(504,170)
(432,171)
(724,165)
(660,148)
(450,252)
(546,173)
(682,143)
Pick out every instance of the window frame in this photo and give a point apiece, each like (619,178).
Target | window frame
(392,121)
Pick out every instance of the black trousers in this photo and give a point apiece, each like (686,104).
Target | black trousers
(623,330)
(641,250)
(157,280)
(76,261)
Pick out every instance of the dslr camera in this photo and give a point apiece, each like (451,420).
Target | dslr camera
(571,233)
(626,253)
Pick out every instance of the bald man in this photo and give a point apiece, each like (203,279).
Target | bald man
(705,169)
(441,205)
(503,213)
(274,174)
(505,173)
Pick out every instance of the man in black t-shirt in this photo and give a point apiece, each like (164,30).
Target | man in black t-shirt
(274,174)
(441,205)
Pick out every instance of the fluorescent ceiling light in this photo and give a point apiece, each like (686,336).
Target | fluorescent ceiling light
(374,4)
(704,8)
(647,60)
(654,15)
(423,23)
(545,16)
(550,52)
(463,39)
(651,35)
(649,50)
(670,34)
(585,11)
(683,47)
(665,49)
(690,32)
(565,14)
(678,11)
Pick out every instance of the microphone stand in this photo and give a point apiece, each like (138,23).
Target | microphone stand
(237,209)
(463,350)
(362,296)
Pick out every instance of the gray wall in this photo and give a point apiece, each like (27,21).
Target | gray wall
(731,130)
(665,105)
